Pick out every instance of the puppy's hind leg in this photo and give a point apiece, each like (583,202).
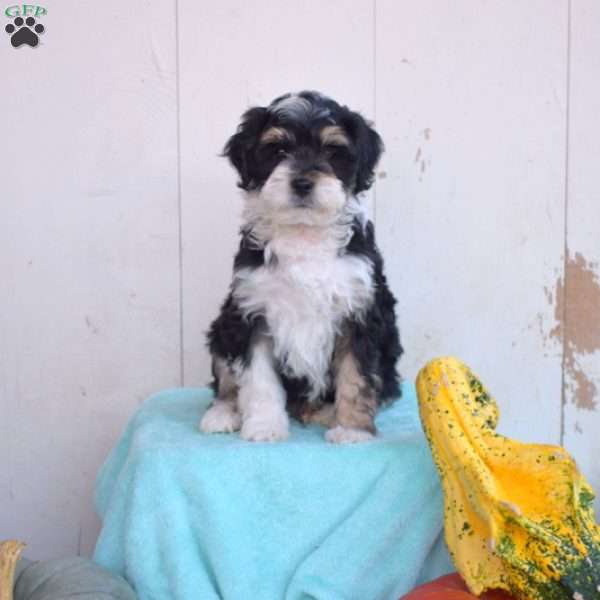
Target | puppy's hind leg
(355,401)
(223,415)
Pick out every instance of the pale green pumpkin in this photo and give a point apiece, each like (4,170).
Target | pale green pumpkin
(56,579)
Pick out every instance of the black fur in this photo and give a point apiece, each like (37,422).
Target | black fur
(231,332)
(375,339)
(240,149)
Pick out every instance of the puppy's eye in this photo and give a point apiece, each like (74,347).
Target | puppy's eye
(273,149)
(337,151)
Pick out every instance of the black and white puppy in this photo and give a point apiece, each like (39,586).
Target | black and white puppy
(309,322)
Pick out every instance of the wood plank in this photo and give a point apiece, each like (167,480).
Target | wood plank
(470,198)
(581,283)
(233,55)
(90,318)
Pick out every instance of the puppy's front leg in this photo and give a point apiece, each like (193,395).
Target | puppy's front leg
(261,398)
(355,401)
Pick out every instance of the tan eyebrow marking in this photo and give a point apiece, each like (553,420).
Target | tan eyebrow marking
(334,135)
(275,134)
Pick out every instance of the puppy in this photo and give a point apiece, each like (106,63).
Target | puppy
(308,327)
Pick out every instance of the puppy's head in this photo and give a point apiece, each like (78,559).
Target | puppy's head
(302,157)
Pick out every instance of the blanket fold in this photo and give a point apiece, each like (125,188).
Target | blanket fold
(189,516)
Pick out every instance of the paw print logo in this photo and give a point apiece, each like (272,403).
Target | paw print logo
(24,31)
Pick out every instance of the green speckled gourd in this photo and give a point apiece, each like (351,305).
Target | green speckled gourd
(518,517)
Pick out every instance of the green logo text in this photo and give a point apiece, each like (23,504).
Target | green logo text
(25,10)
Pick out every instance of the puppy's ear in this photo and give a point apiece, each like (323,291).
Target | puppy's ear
(240,146)
(369,147)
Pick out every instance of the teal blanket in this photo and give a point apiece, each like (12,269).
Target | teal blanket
(189,516)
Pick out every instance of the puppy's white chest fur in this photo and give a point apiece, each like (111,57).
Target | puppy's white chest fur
(304,291)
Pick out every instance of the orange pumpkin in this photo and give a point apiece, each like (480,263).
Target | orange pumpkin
(451,587)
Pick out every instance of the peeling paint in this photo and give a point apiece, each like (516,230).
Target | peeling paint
(91,325)
(585,389)
(421,160)
(540,324)
(577,314)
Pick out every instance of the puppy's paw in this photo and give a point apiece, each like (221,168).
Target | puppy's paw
(344,435)
(262,428)
(221,417)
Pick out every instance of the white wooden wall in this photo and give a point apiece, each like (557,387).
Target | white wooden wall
(118,219)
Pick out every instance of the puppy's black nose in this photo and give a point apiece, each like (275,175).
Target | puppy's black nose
(302,185)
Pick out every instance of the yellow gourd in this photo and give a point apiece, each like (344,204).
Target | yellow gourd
(518,517)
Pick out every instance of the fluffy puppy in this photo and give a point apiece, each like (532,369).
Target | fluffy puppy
(308,327)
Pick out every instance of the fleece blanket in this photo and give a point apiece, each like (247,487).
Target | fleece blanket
(189,516)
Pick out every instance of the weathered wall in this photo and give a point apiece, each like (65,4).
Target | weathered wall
(119,218)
